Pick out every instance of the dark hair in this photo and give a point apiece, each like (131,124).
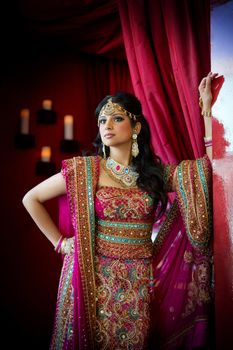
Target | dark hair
(147,164)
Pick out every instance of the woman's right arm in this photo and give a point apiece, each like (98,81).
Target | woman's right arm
(33,201)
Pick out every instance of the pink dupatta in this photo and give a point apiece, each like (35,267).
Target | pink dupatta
(183,261)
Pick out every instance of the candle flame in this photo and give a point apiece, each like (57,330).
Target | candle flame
(46,153)
(68,119)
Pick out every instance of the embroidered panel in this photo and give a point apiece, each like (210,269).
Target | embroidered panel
(123,299)
(85,181)
(63,327)
(193,194)
(122,239)
(122,204)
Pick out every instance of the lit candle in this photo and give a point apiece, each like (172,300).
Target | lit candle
(68,127)
(24,124)
(47,104)
(46,154)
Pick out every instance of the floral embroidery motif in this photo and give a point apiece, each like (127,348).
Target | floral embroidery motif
(121,228)
(117,205)
(193,194)
(122,312)
(123,267)
(198,288)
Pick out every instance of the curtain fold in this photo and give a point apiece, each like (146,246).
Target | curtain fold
(168,51)
(88,26)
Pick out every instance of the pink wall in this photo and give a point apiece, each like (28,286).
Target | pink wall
(222,62)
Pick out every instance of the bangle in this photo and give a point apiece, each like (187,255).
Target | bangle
(206,113)
(57,248)
(208,141)
(208,144)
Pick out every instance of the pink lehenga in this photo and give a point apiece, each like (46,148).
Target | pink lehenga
(119,290)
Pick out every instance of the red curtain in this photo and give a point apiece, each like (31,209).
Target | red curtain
(90,26)
(168,50)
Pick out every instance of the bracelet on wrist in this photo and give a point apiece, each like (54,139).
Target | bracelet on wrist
(57,248)
(204,113)
(208,141)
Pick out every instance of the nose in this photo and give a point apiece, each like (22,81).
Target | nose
(108,124)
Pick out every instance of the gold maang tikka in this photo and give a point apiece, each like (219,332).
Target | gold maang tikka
(111,107)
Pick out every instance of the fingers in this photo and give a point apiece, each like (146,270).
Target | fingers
(212,75)
(206,82)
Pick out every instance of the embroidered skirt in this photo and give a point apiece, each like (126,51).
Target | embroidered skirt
(123,299)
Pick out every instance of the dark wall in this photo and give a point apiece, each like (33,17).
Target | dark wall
(33,69)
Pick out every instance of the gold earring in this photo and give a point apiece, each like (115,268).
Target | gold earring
(135,149)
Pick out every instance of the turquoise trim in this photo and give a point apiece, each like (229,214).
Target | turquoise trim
(181,187)
(116,239)
(182,191)
(203,180)
(60,327)
(129,225)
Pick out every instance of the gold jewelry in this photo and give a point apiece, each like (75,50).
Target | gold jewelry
(111,107)
(125,175)
(204,113)
(67,246)
(135,149)
(200,102)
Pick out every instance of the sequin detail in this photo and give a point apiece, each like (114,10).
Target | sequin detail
(124,240)
(124,223)
(122,303)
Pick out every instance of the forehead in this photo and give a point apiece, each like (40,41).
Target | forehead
(111,109)
(112,113)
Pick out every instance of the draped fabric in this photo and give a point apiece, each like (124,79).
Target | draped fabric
(90,26)
(168,51)
(182,261)
(167,45)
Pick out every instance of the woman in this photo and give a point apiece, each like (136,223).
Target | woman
(114,290)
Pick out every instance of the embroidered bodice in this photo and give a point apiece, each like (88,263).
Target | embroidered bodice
(124,219)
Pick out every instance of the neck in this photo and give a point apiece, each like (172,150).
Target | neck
(121,155)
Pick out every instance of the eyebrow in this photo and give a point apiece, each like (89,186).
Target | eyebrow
(114,114)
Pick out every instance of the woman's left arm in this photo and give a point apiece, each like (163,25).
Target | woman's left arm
(206,104)
(206,101)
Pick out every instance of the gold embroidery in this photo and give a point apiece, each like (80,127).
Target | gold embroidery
(118,205)
(198,288)
(123,316)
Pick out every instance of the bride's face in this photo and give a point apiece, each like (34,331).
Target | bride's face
(115,129)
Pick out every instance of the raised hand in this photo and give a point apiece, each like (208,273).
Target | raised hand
(205,90)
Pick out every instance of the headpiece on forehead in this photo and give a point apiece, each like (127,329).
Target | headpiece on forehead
(111,107)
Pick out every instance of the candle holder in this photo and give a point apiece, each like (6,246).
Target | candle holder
(24,141)
(69,146)
(45,168)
